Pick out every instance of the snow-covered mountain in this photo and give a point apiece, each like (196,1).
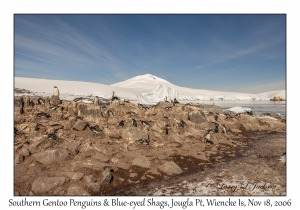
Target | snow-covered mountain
(131,89)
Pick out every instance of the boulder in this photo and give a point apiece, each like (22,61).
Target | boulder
(170,168)
(77,190)
(42,185)
(107,177)
(89,179)
(94,187)
(90,112)
(18,105)
(133,134)
(55,100)
(73,175)
(197,117)
(112,132)
(51,157)
(80,125)
(141,161)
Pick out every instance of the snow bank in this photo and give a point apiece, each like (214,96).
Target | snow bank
(158,94)
(238,109)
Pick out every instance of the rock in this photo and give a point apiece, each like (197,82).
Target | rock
(73,175)
(25,152)
(101,157)
(93,164)
(42,185)
(50,157)
(55,100)
(133,134)
(175,138)
(197,117)
(19,158)
(170,168)
(112,132)
(58,191)
(89,179)
(77,190)
(192,132)
(80,125)
(90,112)
(141,161)
(18,105)
(94,187)
(107,177)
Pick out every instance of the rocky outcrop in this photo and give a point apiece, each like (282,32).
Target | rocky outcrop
(121,143)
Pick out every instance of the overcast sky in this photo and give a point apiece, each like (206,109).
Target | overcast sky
(240,53)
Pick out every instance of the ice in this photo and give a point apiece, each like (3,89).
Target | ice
(238,109)
(158,94)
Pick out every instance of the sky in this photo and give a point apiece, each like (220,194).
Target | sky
(236,53)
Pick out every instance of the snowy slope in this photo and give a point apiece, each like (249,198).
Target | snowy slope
(131,89)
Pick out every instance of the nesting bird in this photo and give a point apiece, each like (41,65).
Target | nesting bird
(55,91)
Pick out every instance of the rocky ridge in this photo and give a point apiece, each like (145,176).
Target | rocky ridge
(78,148)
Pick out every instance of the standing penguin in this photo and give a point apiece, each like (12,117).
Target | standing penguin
(55,91)
(96,100)
(134,122)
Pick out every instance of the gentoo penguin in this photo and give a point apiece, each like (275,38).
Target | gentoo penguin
(121,123)
(134,122)
(182,123)
(96,100)
(216,118)
(55,91)
(145,123)
(42,114)
(175,101)
(282,158)
(132,113)
(143,141)
(95,129)
(207,138)
(51,136)
(110,113)
(166,129)
(165,99)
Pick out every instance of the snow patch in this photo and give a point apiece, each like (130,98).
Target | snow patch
(158,94)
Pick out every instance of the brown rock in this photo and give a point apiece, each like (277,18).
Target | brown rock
(50,157)
(42,185)
(141,161)
(80,125)
(197,117)
(73,175)
(76,190)
(170,168)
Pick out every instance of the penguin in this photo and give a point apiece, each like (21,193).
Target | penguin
(282,158)
(216,128)
(145,123)
(78,118)
(51,136)
(77,99)
(145,108)
(207,138)
(143,141)
(166,130)
(172,101)
(96,100)
(110,113)
(41,101)
(182,123)
(95,129)
(134,122)
(131,113)
(165,99)
(169,107)
(121,123)
(216,118)
(43,114)
(55,91)
(175,101)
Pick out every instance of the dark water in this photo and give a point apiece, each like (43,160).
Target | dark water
(257,107)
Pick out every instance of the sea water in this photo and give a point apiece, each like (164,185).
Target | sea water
(257,107)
